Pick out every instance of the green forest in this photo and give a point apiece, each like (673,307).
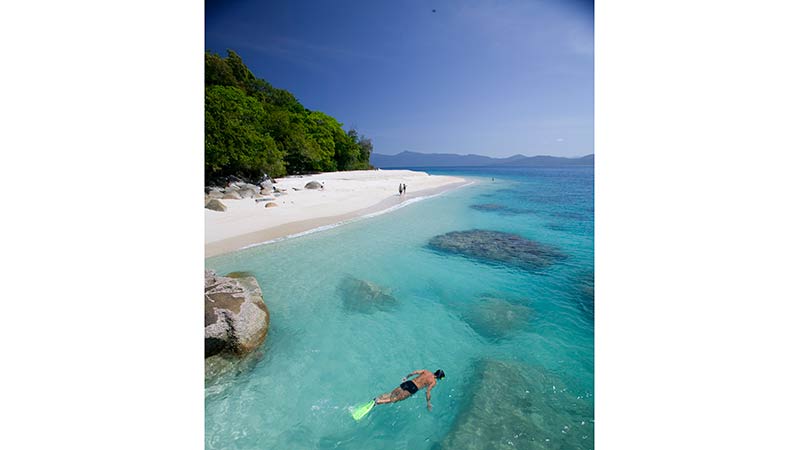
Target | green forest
(253,129)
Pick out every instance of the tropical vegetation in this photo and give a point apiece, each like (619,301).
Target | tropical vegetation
(253,129)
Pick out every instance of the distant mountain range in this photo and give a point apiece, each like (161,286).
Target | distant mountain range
(413,159)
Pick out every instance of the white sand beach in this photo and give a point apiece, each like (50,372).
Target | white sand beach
(345,196)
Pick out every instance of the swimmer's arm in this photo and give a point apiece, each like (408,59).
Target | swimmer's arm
(428,397)
(416,372)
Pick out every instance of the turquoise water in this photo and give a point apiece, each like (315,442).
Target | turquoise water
(517,346)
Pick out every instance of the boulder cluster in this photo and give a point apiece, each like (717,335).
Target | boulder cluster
(266,191)
(238,190)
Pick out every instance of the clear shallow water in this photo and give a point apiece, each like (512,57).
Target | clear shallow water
(517,346)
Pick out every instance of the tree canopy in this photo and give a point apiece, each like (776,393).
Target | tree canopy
(253,128)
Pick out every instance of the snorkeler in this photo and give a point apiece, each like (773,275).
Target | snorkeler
(410,387)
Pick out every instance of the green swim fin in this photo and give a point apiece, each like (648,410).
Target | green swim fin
(362,410)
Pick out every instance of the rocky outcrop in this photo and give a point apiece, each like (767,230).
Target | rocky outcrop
(232,195)
(236,318)
(365,296)
(514,405)
(270,205)
(313,185)
(216,205)
(497,247)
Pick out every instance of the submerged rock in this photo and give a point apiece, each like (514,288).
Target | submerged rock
(223,365)
(219,364)
(498,247)
(495,318)
(236,318)
(365,296)
(514,405)
(216,205)
(495,207)
(585,286)
(487,207)
(313,185)
(240,274)
(557,226)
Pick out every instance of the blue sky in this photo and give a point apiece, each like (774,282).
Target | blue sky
(488,77)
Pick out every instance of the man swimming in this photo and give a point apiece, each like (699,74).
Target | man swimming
(410,387)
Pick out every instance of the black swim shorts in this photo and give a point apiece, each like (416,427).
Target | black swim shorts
(410,387)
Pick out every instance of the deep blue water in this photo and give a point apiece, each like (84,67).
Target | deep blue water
(517,345)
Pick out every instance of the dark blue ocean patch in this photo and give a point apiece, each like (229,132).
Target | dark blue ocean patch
(505,191)
(497,247)
(572,215)
(544,198)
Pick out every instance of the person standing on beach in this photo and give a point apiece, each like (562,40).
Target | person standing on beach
(410,387)
(404,188)
(400,189)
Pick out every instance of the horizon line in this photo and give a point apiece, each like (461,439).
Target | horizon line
(485,156)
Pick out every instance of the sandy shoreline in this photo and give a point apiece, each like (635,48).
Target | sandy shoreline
(346,196)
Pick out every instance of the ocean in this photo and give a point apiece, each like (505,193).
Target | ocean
(357,307)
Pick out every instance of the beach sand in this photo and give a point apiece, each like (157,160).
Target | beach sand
(345,196)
